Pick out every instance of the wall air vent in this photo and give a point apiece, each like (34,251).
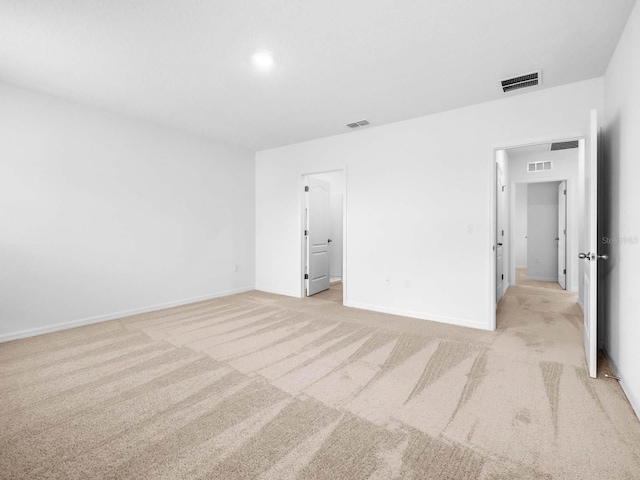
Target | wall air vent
(522,81)
(539,166)
(359,123)
(564,145)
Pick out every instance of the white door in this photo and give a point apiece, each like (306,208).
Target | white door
(500,226)
(562,234)
(318,228)
(589,175)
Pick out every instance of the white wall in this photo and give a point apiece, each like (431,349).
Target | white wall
(413,188)
(620,213)
(335,248)
(520,225)
(104,215)
(565,167)
(542,229)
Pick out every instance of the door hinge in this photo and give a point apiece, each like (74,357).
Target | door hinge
(502,276)
(306,233)
(306,276)
(565,192)
(306,188)
(503,233)
(564,271)
(503,188)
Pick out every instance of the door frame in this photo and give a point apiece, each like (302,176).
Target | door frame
(492,214)
(506,209)
(303,240)
(563,206)
(570,282)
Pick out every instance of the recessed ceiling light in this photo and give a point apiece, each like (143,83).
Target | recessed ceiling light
(263,60)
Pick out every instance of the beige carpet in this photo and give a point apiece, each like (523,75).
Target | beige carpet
(257,386)
(524,281)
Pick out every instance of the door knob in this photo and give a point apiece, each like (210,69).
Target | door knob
(499,244)
(593,256)
(329,241)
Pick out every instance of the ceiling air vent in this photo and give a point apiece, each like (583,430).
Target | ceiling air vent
(359,123)
(522,81)
(564,145)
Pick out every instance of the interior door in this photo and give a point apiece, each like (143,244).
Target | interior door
(562,234)
(500,225)
(590,258)
(318,228)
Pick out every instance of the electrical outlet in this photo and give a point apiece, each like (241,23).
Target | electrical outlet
(235,268)
(387,281)
(469,229)
(407,283)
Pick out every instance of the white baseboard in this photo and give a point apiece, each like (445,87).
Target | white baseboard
(419,315)
(278,292)
(579,302)
(7,337)
(635,402)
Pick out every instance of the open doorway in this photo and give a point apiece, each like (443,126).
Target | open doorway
(540,234)
(541,215)
(581,221)
(544,178)
(323,236)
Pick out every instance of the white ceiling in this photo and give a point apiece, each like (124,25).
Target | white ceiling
(186,63)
